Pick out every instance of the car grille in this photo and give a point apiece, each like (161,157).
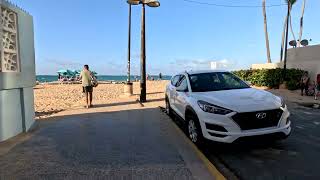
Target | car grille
(251,120)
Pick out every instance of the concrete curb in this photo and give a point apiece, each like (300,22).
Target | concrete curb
(211,168)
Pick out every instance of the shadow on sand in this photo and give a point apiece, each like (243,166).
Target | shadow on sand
(126,103)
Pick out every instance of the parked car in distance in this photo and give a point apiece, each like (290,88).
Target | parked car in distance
(219,106)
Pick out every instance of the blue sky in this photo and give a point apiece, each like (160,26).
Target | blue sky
(180,35)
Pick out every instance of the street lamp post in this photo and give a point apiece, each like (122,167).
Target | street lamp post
(129,45)
(143,83)
(150,3)
(128,87)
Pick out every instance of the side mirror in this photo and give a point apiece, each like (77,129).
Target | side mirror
(179,89)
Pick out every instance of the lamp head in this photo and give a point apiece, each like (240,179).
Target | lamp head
(133,2)
(153,3)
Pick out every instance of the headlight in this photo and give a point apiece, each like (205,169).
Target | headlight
(283,103)
(210,108)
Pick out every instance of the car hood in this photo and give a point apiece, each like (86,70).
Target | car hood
(241,100)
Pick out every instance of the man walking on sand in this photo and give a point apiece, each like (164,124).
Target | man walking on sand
(86,77)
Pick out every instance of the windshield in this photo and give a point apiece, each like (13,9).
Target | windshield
(216,81)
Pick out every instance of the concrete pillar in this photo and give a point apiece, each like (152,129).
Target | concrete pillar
(17,71)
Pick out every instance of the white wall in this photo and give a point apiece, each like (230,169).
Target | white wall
(10,114)
(16,88)
(305,58)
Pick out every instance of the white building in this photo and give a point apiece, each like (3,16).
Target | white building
(305,58)
(219,65)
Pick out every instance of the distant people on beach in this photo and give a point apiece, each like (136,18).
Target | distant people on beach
(87,88)
(160,76)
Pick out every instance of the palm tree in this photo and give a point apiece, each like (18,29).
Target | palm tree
(266,30)
(283,37)
(290,4)
(301,22)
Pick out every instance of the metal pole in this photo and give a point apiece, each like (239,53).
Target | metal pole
(143,94)
(286,45)
(129,45)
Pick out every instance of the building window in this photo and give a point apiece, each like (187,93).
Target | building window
(9,52)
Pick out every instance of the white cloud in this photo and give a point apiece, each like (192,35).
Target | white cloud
(201,64)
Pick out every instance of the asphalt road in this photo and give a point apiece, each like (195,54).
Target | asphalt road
(297,157)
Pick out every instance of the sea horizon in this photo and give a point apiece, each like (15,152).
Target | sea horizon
(117,78)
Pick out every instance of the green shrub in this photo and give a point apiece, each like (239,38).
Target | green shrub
(270,77)
(292,85)
(244,74)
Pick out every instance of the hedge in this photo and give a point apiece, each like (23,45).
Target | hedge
(271,78)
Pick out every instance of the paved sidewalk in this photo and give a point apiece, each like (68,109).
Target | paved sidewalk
(126,144)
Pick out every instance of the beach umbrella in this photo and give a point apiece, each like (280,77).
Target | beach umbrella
(77,72)
(70,72)
(62,71)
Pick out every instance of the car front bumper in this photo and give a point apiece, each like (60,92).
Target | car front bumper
(232,130)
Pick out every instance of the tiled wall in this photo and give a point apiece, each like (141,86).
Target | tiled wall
(9,58)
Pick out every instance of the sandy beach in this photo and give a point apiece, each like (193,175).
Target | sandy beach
(51,99)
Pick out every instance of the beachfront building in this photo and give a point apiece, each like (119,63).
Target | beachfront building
(305,58)
(17,71)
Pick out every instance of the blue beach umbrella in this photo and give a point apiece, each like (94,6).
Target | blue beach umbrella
(62,71)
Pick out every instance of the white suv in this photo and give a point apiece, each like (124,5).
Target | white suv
(219,106)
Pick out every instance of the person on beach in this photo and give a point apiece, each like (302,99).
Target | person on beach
(86,77)
(304,83)
(160,76)
(317,88)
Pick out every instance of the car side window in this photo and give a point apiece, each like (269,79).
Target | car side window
(183,83)
(175,80)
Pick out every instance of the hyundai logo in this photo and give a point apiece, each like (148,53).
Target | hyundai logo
(261,115)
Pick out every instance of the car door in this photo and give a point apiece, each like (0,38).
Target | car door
(171,92)
(182,91)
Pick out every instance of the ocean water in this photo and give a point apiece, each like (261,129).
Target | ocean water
(51,78)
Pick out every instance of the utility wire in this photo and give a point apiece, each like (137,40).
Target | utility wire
(231,6)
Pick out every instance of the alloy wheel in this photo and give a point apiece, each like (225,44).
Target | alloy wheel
(193,132)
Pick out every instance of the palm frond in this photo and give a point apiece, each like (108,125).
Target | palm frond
(291,1)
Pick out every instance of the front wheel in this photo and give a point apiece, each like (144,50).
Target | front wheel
(168,108)
(194,131)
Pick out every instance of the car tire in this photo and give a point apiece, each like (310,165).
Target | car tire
(194,130)
(168,108)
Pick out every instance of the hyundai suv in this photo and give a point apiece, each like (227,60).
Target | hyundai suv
(219,106)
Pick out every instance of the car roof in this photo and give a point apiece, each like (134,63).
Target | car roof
(191,72)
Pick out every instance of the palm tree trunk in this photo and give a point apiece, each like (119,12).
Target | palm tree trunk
(283,37)
(301,23)
(266,30)
(291,29)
